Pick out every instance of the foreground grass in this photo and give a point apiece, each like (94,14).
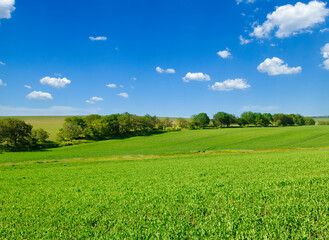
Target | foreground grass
(186,141)
(274,195)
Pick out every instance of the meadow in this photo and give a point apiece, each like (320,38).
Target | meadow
(234,183)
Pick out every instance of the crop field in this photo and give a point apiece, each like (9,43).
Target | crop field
(253,183)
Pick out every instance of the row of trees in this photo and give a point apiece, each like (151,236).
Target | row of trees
(96,127)
(15,134)
(222,119)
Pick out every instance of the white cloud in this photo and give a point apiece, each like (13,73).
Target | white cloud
(225,53)
(116,48)
(55,82)
(325,51)
(245,1)
(325,64)
(100,38)
(38,95)
(290,20)
(2,83)
(325,54)
(6,8)
(259,108)
(2,63)
(93,100)
(168,70)
(196,77)
(111,85)
(124,95)
(27,86)
(52,111)
(276,66)
(121,86)
(244,41)
(133,78)
(230,84)
(324,30)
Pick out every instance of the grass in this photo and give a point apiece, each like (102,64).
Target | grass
(276,195)
(248,183)
(186,141)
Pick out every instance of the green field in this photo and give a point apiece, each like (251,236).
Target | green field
(238,183)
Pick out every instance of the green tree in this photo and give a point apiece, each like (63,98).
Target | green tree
(40,135)
(15,132)
(200,120)
(70,131)
(182,123)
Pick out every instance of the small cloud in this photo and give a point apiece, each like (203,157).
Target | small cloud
(27,86)
(124,95)
(2,84)
(276,66)
(230,84)
(168,70)
(93,100)
(324,30)
(55,82)
(196,77)
(244,41)
(244,1)
(100,38)
(116,48)
(2,63)
(133,78)
(273,45)
(121,86)
(58,74)
(225,53)
(38,95)
(111,85)
(325,54)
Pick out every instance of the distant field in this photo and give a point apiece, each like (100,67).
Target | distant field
(49,123)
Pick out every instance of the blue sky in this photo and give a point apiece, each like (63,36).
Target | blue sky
(163,57)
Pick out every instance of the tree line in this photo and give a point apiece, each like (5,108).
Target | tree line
(223,119)
(17,135)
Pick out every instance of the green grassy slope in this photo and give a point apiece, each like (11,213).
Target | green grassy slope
(186,141)
(277,195)
(49,123)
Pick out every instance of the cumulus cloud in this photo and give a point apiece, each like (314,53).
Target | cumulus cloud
(168,70)
(93,100)
(290,19)
(124,95)
(6,8)
(259,108)
(325,54)
(38,95)
(52,111)
(100,38)
(55,82)
(225,53)
(276,66)
(230,84)
(27,86)
(111,85)
(196,77)
(2,83)
(244,41)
